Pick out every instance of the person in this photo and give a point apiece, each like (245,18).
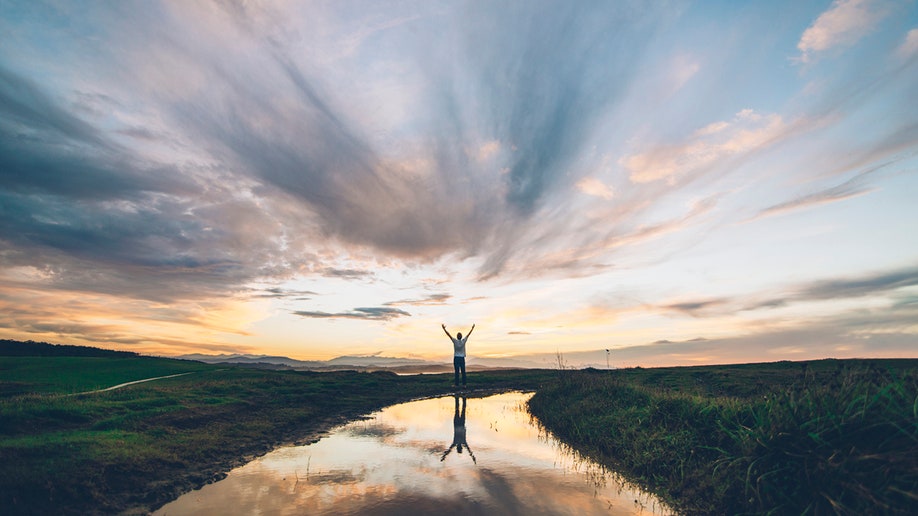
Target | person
(459,352)
(459,438)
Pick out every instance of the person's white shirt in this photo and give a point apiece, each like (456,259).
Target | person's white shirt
(459,346)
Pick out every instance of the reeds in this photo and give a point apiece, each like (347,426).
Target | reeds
(838,440)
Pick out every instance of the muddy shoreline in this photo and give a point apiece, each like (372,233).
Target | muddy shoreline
(188,479)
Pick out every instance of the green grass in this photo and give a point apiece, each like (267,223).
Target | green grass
(25,375)
(786,438)
(140,446)
(830,437)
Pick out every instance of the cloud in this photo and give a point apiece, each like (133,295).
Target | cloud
(841,288)
(851,188)
(538,86)
(190,152)
(595,187)
(283,293)
(909,47)
(351,274)
(432,299)
(694,308)
(843,24)
(746,133)
(860,286)
(371,314)
(44,149)
(300,152)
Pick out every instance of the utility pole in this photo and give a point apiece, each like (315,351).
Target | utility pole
(607,359)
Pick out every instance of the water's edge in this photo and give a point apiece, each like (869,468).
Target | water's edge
(310,432)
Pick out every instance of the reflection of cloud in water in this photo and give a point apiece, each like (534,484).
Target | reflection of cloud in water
(344,476)
(377,430)
(390,464)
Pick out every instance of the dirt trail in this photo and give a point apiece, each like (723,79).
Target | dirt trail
(120,385)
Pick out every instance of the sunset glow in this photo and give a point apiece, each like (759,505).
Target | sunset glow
(677,182)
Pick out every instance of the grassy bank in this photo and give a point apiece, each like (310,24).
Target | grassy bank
(139,447)
(788,438)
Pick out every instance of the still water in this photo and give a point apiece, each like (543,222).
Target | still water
(440,456)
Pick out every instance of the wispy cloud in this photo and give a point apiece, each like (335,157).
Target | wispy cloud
(595,187)
(193,166)
(853,187)
(352,274)
(697,307)
(283,293)
(843,24)
(909,46)
(860,286)
(747,132)
(432,299)
(841,288)
(371,313)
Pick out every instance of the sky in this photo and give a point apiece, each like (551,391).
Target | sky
(675,182)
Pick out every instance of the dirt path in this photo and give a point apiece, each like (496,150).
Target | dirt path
(120,385)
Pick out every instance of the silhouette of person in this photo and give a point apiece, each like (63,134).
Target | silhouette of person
(459,352)
(459,439)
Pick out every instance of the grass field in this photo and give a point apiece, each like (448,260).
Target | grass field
(822,437)
(825,437)
(139,447)
(47,375)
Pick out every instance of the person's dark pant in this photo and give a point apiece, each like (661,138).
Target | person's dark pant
(459,364)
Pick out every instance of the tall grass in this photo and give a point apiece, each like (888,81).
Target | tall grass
(845,445)
(828,441)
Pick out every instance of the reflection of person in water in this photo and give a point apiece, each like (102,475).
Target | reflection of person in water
(459,439)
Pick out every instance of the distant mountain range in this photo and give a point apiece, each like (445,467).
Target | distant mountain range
(372,362)
(352,362)
(343,362)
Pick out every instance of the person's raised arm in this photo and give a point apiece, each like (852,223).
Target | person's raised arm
(470,331)
(444,330)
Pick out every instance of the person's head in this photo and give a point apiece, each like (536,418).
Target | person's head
(459,448)
(459,335)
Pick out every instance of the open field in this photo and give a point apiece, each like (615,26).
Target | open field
(139,447)
(824,437)
(63,375)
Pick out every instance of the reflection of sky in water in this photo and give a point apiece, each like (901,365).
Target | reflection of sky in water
(391,464)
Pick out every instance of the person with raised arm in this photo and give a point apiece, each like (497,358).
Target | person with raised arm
(459,352)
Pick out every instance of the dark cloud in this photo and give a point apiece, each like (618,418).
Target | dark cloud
(837,288)
(879,283)
(353,274)
(695,308)
(284,293)
(45,149)
(296,134)
(860,286)
(372,313)
(95,216)
(27,108)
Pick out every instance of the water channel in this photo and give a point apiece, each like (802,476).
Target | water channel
(440,456)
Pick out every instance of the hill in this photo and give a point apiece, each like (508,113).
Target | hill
(30,348)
